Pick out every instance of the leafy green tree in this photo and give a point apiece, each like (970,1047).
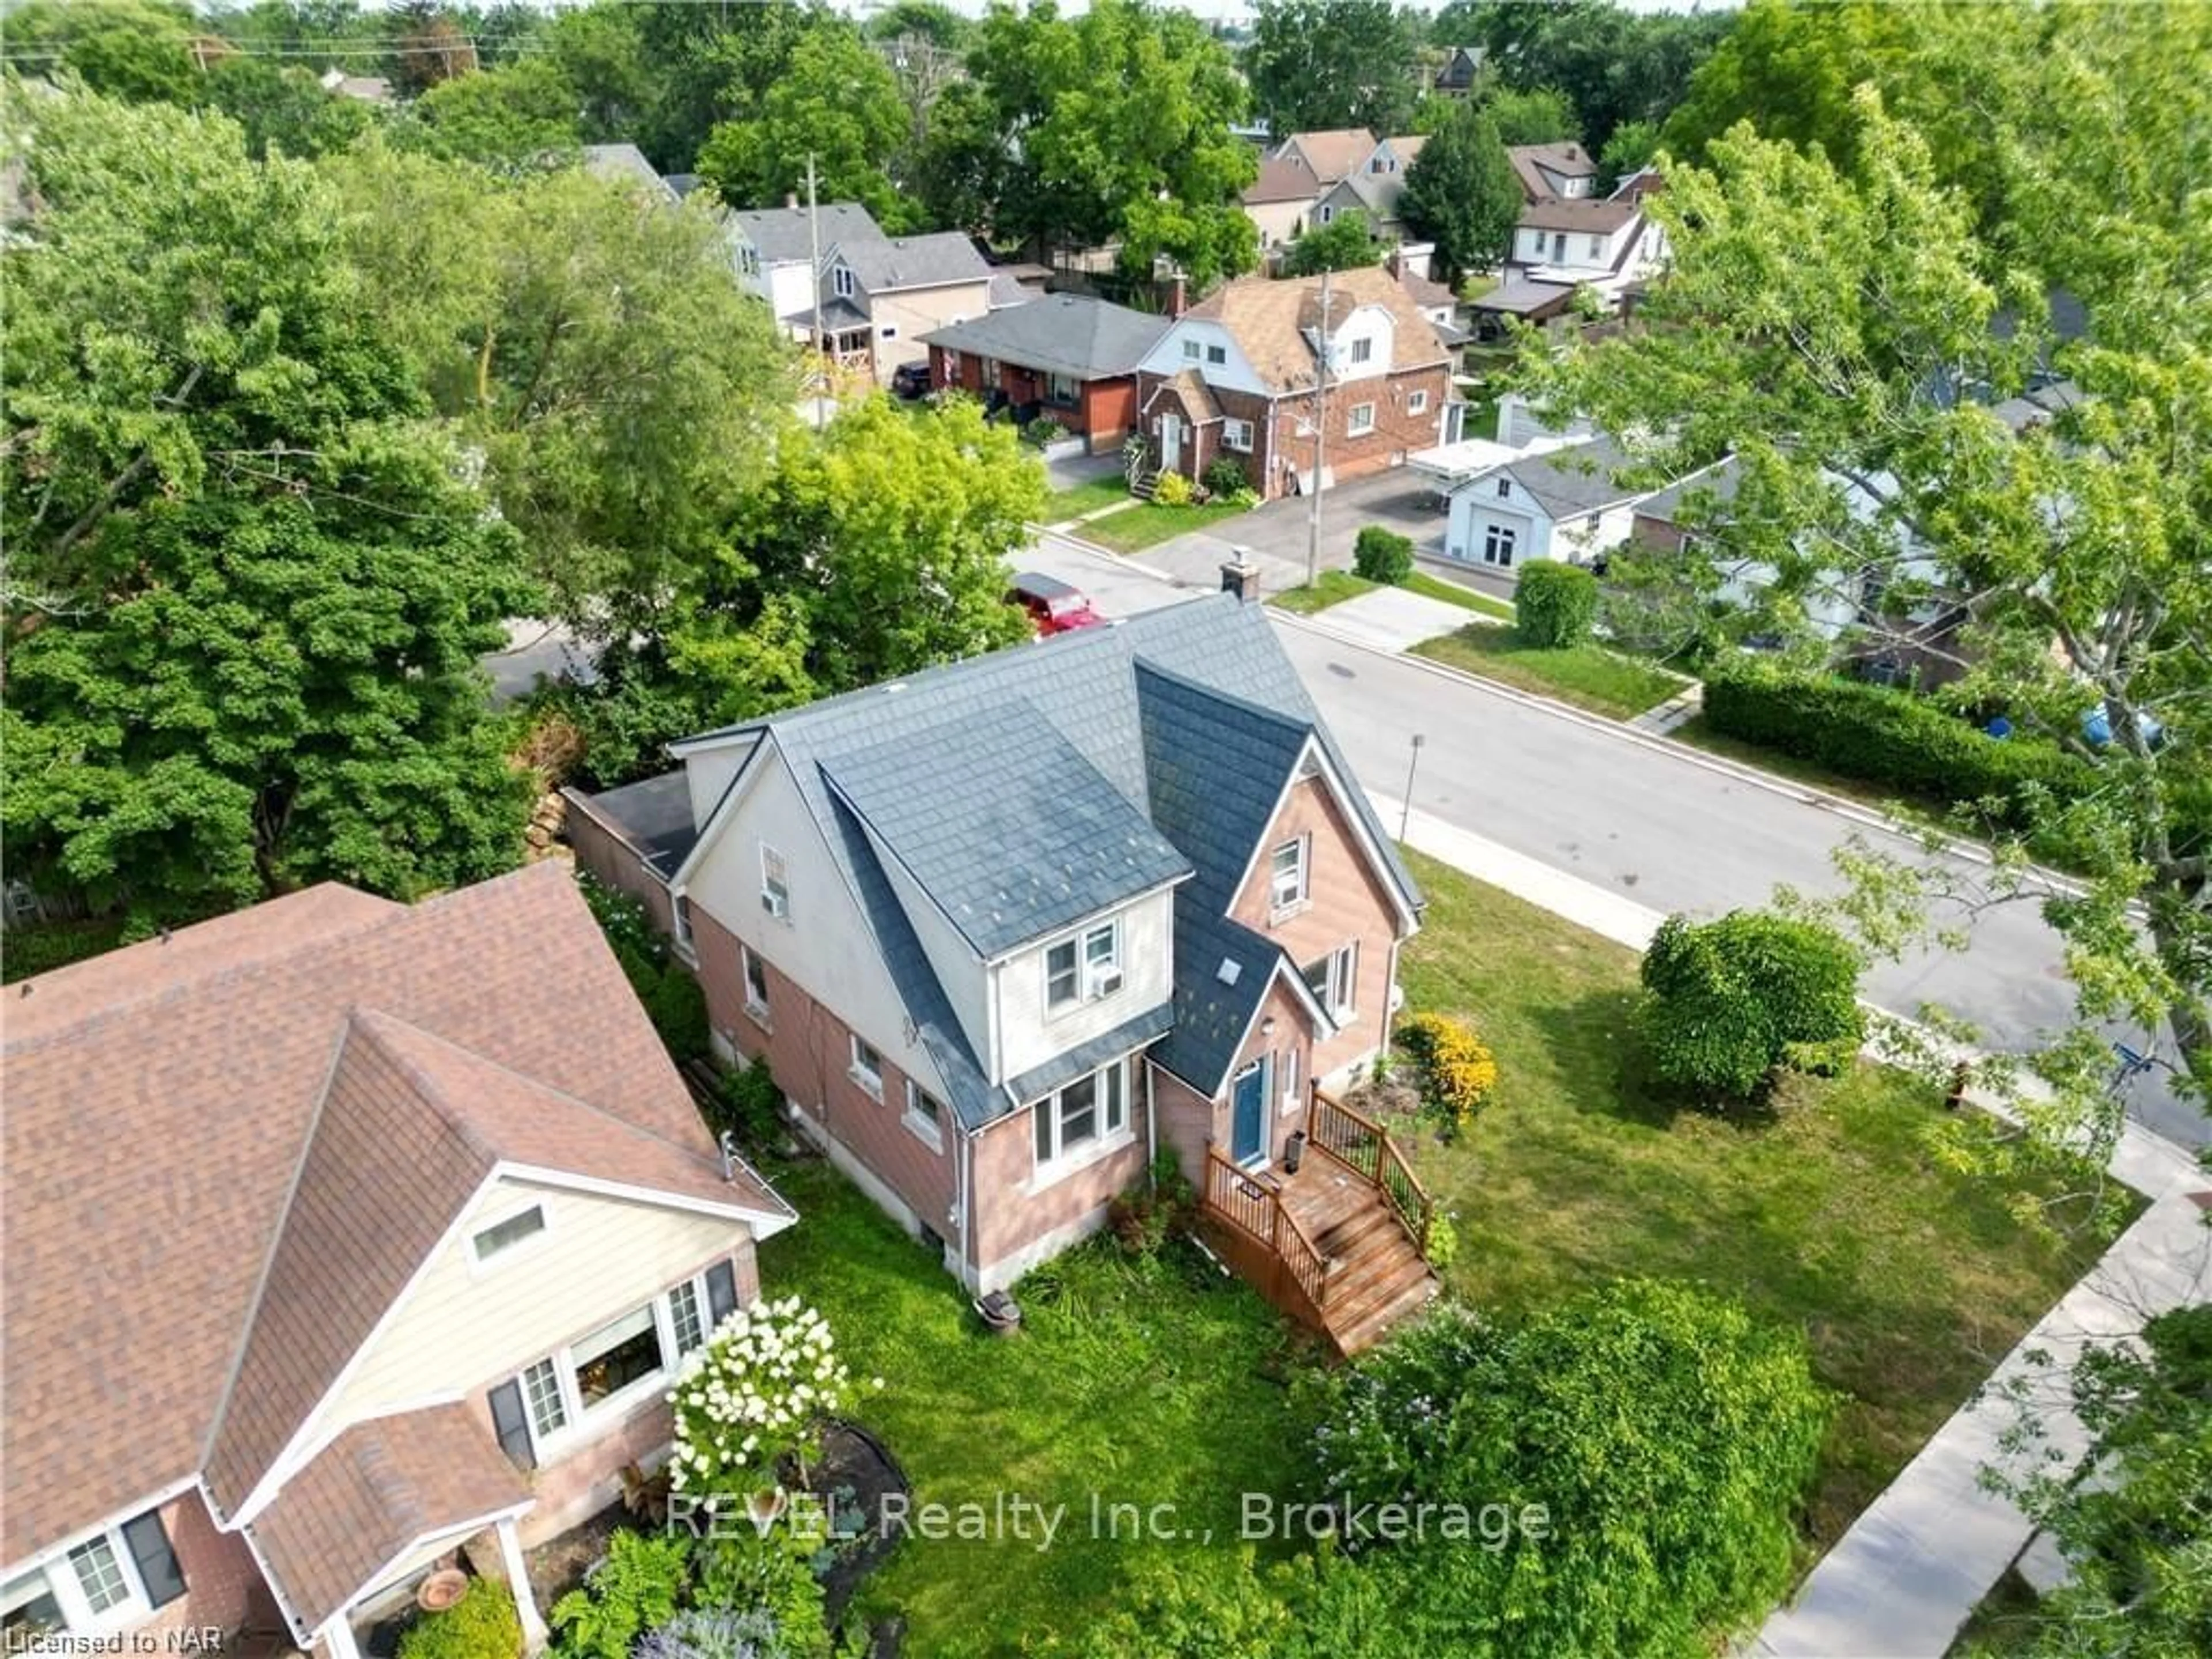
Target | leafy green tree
(1463,194)
(283,107)
(836,99)
(1729,1002)
(140,51)
(2081,539)
(1632,148)
(922,20)
(1789,70)
(1344,243)
(248,585)
(1316,65)
(2138,1532)
(1537,115)
(961,168)
(1662,1438)
(599,50)
(524,115)
(1612,64)
(1555,604)
(702,65)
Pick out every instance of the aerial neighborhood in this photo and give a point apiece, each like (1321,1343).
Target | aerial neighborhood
(1309,831)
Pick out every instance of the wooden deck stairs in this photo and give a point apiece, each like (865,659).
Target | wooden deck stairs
(1339,1244)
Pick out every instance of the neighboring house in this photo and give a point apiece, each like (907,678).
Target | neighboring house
(367,88)
(1565,504)
(1282,199)
(1568,237)
(1066,357)
(1329,156)
(880,296)
(1436,301)
(1374,187)
(1564,172)
(1461,67)
(775,252)
(625,164)
(1003,928)
(1237,375)
(340,1234)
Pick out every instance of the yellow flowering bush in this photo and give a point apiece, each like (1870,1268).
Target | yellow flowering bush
(1458,1071)
(1173,489)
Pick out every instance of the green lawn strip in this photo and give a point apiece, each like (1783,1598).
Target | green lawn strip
(1450,593)
(1064,504)
(1145,1382)
(1333,588)
(1909,1281)
(1586,675)
(1144,524)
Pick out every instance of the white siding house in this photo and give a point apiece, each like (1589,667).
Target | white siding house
(1564,505)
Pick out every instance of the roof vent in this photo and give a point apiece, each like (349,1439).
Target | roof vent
(1230,972)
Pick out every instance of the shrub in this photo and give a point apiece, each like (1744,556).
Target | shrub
(677,1008)
(633,1589)
(1383,555)
(1443,1240)
(1882,736)
(1043,430)
(1728,1002)
(1224,477)
(1667,1438)
(714,1633)
(770,1576)
(752,1106)
(1172,490)
(1458,1071)
(482,1625)
(1555,604)
(1144,1217)
(760,1389)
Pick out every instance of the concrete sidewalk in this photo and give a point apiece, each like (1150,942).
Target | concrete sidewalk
(1913,1566)
(1391,619)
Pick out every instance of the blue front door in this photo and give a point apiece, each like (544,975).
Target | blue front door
(1247,1112)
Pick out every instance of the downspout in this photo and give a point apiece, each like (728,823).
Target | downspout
(961,1182)
(1151,1132)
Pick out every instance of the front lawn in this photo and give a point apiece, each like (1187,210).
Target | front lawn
(1909,1281)
(1333,588)
(1148,522)
(1145,1383)
(1586,675)
(1466,599)
(1073,503)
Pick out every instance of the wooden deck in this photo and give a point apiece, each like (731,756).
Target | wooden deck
(1339,1245)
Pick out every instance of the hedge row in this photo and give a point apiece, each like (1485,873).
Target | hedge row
(1885,737)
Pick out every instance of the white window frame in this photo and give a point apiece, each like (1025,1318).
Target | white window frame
(1504,489)
(1417,403)
(480,1260)
(775,884)
(1339,991)
(584,1423)
(1236,434)
(1092,968)
(1359,420)
(1363,349)
(57,1571)
(840,282)
(1063,389)
(1500,544)
(1216,356)
(1190,350)
(702,1317)
(1290,886)
(924,1128)
(869,1077)
(540,1400)
(1327,213)
(749,965)
(680,912)
(888,332)
(1110,1122)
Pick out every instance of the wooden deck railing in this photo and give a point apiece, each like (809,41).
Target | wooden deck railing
(1276,1248)
(1366,1148)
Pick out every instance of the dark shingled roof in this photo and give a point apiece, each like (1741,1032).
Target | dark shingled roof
(653,815)
(1577,479)
(1212,1014)
(1061,843)
(1070,334)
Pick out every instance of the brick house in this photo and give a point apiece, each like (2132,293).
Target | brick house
(1066,358)
(1239,375)
(1003,931)
(342,1238)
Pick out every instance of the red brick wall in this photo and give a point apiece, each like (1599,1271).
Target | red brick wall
(1010,1218)
(1396,433)
(808,1052)
(223,1588)
(609,858)
(1346,900)
(1189,1122)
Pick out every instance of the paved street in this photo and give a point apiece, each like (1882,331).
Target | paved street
(1643,819)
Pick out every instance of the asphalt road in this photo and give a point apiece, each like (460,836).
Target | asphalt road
(1648,822)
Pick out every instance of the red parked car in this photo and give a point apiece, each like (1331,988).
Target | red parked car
(1052,606)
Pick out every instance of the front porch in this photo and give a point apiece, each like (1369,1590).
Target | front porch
(1340,1243)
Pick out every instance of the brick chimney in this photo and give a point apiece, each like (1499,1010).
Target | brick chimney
(1395,262)
(1240,576)
(1178,295)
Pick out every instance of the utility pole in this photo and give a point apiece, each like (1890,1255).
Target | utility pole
(814,263)
(1321,439)
(1406,809)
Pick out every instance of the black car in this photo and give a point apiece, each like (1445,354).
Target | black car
(911,381)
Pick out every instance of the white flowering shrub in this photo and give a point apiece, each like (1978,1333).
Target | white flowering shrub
(764,1385)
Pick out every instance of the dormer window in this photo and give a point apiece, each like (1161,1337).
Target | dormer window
(1363,349)
(841,280)
(1085,967)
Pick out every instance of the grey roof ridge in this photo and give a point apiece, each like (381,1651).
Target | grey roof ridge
(880,844)
(1288,723)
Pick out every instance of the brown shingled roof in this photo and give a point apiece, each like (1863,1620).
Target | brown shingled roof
(163,1101)
(1267,317)
(1600,218)
(1332,153)
(377,1490)
(1282,179)
(1568,160)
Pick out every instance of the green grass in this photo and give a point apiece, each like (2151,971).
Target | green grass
(2003,1623)
(1435,587)
(1152,1383)
(1142,526)
(1586,675)
(1909,1281)
(1333,588)
(1064,504)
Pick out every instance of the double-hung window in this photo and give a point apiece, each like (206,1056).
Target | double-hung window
(1417,403)
(1217,355)
(1236,434)
(756,984)
(1286,877)
(1080,1115)
(1332,980)
(775,884)
(1360,420)
(867,1066)
(1363,349)
(1084,967)
(1190,350)
(925,1115)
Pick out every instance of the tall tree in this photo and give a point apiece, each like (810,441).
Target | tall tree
(1820,324)
(1535,115)
(1319,64)
(524,115)
(136,49)
(1344,243)
(1463,194)
(248,583)
(284,106)
(1614,66)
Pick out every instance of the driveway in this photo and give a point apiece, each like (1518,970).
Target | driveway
(1276,535)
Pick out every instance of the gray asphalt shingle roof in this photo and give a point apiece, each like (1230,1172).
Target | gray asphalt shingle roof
(780,234)
(882,265)
(1010,831)
(654,816)
(1070,334)
(1577,479)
